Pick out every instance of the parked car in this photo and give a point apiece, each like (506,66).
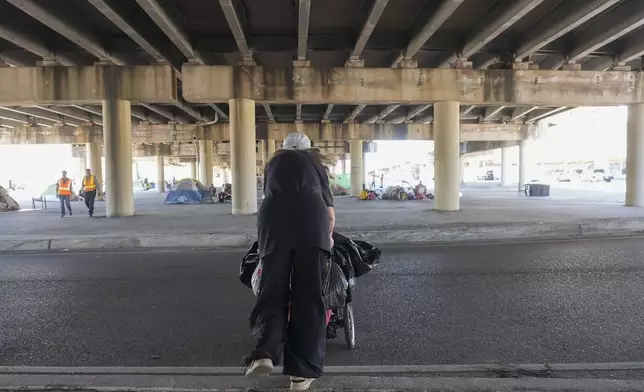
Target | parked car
(597,175)
(563,176)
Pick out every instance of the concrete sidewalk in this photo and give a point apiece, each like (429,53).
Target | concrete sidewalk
(489,213)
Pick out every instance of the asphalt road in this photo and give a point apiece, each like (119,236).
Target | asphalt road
(522,303)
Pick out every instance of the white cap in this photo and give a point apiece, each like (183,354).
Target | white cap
(296,141)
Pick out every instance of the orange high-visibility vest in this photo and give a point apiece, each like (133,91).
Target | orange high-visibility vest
(89,185)
(65,187)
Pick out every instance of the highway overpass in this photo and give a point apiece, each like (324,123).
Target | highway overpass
(129,66)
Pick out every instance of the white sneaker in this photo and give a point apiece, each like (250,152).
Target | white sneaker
(301,384)
(260,367)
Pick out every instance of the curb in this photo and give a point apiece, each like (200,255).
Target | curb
(431,236)
(153,383)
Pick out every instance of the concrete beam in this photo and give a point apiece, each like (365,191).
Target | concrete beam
(367,29)
(545,114)
(304,14)
(467,110)
(137,114)
(222,115)
(72,113)
(298,112)
(84,39)
(39,114)
(30,42)
(174,133)
(417,110)
(561,23)
(356,111)
(80,85)
(517,113)
(621,23)
(436,20)
(230,13)
(13,61)
(383,113)
(510,16)
(187,151)
(167,113)
(121,15)
(171,29)
(24,119)
(473,149)
(207,84)
(269,112)
(327,112)
(492,111)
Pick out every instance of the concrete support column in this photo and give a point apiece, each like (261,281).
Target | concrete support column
(193,169)
(357,166)
(446,155)
(635,156)
(462,168)
(523,162)
(506,166)
(271,148)
(262,155)
(343,160)
(117,141)
(160,173)
(205,162)
(242,155)
(94,152)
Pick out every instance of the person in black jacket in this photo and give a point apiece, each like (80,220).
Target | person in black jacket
(295,222)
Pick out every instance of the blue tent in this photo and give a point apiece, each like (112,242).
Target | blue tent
(189,191)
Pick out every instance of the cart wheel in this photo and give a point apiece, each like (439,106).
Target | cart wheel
(349,325)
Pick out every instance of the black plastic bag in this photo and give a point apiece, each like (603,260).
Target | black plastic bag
(248,265)
(334,286)
(368,259)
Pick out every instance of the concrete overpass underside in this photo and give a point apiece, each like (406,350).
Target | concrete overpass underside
(178,69)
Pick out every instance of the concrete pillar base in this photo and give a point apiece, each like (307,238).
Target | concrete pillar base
(243,156)
(160,173)
(447,156)
(635,156)
(357,167)
(95,164)
(117,139)
(506,166)
(205,162)
(271,148)
(523,163)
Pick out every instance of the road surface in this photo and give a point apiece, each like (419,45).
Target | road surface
(521,303)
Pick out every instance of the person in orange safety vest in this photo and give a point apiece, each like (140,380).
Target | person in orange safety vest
(64,191)
(90,188)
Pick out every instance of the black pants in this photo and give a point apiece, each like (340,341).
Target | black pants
(303,337)
(64,200)
(90,196)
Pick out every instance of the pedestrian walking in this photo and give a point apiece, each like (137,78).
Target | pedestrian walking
(64,192)
(295,222)
(90,188)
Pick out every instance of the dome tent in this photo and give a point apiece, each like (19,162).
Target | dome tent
(189,191)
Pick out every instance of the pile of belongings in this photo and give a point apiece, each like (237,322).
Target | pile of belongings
(349,260)
(7,203)
(398,192)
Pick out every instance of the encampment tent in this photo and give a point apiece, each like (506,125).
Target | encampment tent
(189,191)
